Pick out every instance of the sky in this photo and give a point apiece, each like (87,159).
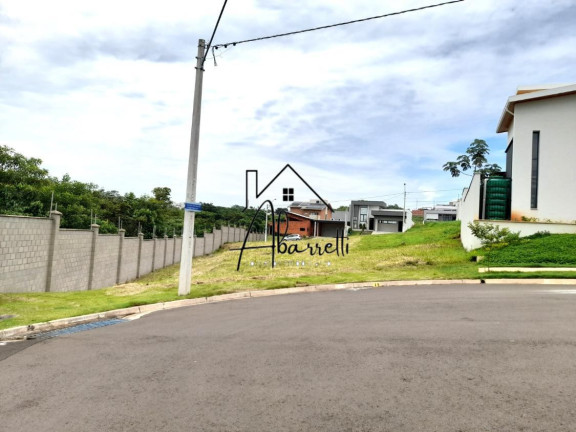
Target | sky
(103,91)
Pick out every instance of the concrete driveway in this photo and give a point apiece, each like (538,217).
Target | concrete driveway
(422,358)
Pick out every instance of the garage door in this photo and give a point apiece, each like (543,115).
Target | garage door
(330,230)
(387,226)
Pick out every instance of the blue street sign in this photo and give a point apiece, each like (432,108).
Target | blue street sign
(193,207)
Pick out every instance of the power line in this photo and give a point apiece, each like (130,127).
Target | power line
(397,194)
(213,33)
(225,45)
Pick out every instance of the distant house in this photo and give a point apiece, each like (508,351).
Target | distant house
(538,185)
(341,215)
(377,218)
(314,209)
(418,212)
(311,227)
(440,213)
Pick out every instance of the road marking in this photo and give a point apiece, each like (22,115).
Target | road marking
(566,291)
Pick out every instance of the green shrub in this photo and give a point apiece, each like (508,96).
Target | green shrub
(493,235)
(538,235)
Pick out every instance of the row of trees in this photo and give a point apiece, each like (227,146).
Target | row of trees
(26,188)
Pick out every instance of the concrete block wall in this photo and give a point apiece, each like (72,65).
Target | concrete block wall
(218,239)
(208,243)
(24,253)
(129,268)
(158,253)
(106,261)
(146,257)
(37,256)
(177,249)
(72,254)
(225,233)
(198,246)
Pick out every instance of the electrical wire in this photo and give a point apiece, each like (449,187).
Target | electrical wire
(213,33)
(225,45)
(397,194)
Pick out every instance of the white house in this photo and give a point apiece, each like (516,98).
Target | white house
(540,158)
(541,153)
(441,212)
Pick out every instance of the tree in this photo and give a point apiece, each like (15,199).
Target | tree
(475,159)
(162,194)
(21,179)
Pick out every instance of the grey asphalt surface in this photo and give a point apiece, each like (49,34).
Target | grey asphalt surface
(424,358)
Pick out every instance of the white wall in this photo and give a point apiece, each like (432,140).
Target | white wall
(468,211)
(555,118)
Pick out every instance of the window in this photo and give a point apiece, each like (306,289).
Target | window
(534,179)
(287,194)
(363,214)
(509,157)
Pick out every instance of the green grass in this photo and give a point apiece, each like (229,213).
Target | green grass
(557,250)
(431,251)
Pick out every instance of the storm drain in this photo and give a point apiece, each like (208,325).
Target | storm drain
(75,329)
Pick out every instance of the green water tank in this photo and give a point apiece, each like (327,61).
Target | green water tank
(498,194)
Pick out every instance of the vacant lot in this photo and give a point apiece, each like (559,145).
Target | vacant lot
(431,251)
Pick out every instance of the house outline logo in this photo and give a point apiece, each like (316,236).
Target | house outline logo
(259,193)
(278,246)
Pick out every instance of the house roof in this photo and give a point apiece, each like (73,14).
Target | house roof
(529,94)
(303,217)
(369,203)
(306,205)
(389,212)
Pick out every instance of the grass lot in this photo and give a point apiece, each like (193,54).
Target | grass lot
(550,251)
(431,251)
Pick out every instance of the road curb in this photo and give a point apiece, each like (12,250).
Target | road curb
(23,332)
(525,269)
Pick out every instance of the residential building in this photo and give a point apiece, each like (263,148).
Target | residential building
(341,215)
(375,217)
(311,227)
(538,183)
(541,127)
(440,213)
(314,209)
(360,213)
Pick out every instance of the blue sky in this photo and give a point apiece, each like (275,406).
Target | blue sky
(103,90)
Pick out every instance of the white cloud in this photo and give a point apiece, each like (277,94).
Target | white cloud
(104,90)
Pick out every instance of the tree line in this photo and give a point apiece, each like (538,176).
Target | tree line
(26,188)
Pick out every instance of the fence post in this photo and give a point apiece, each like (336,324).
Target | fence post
(95,228)
(121,233)
(153,252)
(165,249)
(55,216)
(174,249)
(140,241)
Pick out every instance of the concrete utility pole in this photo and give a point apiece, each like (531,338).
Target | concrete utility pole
(188,235)
(404,211)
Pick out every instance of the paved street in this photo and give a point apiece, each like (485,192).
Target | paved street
(425,358)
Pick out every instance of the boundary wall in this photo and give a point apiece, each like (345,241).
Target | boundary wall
(36,255)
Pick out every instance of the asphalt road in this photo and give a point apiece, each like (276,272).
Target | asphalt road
(428,358)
